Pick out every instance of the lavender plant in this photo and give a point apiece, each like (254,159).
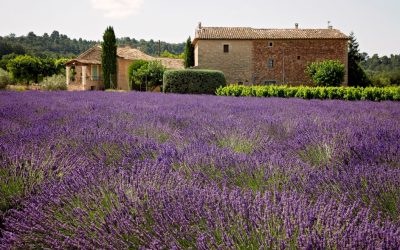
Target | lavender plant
(96,170)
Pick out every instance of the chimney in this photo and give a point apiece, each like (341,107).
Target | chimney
(296,25)
(329,25)
(199,27)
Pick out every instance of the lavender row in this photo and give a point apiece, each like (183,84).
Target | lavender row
(119,170)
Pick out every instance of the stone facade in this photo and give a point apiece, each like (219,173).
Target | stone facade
(123,78)
(237,64)
(291,58)
(92,82)
(88,70)
(281,59)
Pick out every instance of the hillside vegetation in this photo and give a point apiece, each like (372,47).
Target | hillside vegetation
(58,45)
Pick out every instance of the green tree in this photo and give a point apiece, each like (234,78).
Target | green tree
(25,68)
(109,59)
(189,54)
(136,78)
(326,73)
(356,75)
(5,59)
(155,71)
(47,67)
(145,75)
(168,54)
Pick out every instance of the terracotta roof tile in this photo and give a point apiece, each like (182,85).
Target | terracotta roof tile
(244,33)
(93,56)
(132,54)
(170,63)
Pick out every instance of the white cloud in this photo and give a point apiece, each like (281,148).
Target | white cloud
(117,8)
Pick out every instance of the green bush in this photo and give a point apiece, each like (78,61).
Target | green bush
(342,93)
(5,79)
(55,82)
(145,75)
(167,54)
(135,78)
(326,73)
(193,81)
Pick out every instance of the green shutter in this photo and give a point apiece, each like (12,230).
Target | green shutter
(95,74)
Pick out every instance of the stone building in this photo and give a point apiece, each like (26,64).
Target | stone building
(267,56)
(85,72)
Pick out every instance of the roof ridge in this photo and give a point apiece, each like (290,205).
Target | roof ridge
(243,33)
(251,28)
(88,51)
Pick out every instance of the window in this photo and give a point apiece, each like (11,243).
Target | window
(270,63)
(95,72)
(270,82)
(270,44)
(226,48)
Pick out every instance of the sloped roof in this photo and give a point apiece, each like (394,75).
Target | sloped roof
(132,54)
(90,56)
(93,56)
(245,33)
(171,63)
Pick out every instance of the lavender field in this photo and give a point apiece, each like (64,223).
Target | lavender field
(95,170)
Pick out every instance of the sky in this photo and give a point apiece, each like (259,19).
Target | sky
(375,23)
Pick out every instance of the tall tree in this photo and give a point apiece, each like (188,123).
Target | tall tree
(356,74)
(25,69)
(189,53)
(109,59)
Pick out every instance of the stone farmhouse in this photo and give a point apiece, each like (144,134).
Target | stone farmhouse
(267,56)
(85,72)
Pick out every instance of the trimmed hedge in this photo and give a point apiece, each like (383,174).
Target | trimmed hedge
(344,93)
(193,81)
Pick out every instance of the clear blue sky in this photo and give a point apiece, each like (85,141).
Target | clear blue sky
(375,22)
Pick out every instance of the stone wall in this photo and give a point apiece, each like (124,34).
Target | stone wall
(291,57)
(122,71)
(247,60)
(91,84)
(237,64)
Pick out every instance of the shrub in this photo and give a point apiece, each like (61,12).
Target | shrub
(5,79)
(326,73)
(168,54)
(135,79)
(55,82)
(193,81)
(145,73)
(155,71)
(343,93)
(5,59)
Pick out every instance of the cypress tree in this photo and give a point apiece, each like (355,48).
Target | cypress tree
(109,59)
(356,74)
(189,53)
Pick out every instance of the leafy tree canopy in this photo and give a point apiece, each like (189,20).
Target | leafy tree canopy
(58,45)
(326,73)
(145,75)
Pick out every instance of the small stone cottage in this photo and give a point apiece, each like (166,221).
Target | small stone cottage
(85,72)
(267,56)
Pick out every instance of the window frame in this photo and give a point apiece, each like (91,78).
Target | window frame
(225,48)
(95,68)
(270,63)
